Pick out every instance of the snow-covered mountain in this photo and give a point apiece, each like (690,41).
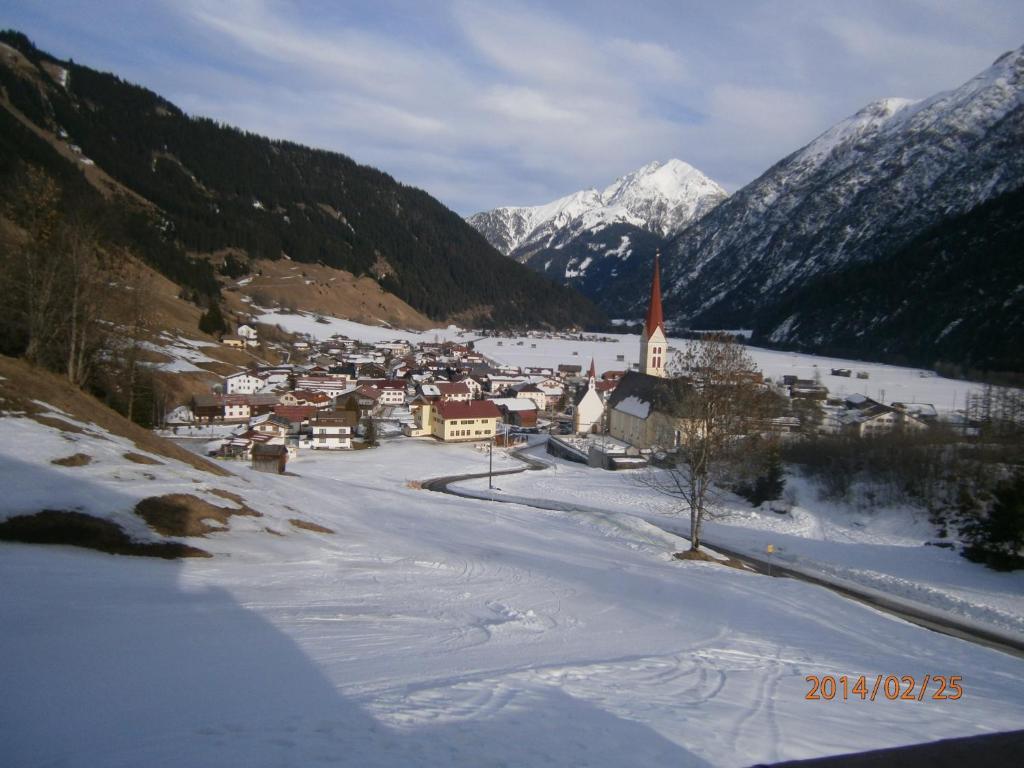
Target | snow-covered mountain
(859,193)
(662,198)
(864,187)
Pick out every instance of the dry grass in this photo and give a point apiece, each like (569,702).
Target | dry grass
(75,460)
(306,525)
(181,514)
(230,497)
(330,291)
(414,484)
(79,530)
(56,423)
(703,556)
(21,384)
(138,458)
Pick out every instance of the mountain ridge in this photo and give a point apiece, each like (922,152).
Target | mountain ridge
(659,197)
(210,187)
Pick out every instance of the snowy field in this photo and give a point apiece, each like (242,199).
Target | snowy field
(888,383)
(881,548)
(427,630)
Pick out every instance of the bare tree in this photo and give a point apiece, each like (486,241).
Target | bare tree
(134,320)
(33,266)
(85,289)
(716,402)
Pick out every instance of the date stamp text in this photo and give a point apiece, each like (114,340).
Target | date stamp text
(891,687)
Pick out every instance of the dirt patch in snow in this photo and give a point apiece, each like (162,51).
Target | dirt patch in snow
(138,458)
(702,556)
(181,514)
(75,460)
(56,423)
(306,525)
(79,530)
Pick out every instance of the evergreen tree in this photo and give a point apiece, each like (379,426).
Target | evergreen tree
(212,320)
(771,482)
(370,431)
(997,538)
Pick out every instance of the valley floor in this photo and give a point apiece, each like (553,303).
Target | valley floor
(430,630)
(870,545)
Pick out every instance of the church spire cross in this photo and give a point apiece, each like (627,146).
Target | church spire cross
(654,315)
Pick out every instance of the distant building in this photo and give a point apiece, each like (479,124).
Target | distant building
(243,383)
(517,411)
(588,413)
(464,421)
(332,430)
(269,458)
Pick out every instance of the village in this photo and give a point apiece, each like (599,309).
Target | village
(341,394)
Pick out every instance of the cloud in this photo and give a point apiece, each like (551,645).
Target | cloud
(912,64)
(485,104)
(653,59)
(523,89)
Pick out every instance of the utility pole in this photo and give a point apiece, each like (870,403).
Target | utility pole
(490,464)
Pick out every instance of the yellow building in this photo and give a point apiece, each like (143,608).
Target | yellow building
(462,421)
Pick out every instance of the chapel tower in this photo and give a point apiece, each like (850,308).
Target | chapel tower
(653,344)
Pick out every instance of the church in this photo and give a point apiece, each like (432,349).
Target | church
(588,413)
(639,407)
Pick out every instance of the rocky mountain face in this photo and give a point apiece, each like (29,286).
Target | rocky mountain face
(857,195)
(660,198)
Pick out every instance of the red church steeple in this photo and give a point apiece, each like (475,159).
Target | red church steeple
(593,371)
(654,316)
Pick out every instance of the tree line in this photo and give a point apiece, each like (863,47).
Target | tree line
(77,303)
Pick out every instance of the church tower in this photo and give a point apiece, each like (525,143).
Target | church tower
(653,344)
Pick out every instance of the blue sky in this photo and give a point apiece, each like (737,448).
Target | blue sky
(516,103)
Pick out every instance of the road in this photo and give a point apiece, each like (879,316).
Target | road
(920,616)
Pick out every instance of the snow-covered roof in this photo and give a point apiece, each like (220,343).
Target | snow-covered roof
(515,403)
(634,406)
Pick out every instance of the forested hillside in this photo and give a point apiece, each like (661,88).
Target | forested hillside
(954,295)
(192,185)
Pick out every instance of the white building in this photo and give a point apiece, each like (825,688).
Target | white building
(249,334)
(333,431)
(588,415)
(243,383)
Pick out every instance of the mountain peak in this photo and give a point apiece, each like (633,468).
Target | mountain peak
(660,197)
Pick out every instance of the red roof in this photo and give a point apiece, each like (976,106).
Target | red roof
(654,316)
(475,409)
(371,393)
(296,413)
(447,389)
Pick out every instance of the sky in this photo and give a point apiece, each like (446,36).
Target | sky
(495,103)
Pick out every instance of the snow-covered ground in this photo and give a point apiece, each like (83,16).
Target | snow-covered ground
(879,547)
(183,354)
(888,383)
(427,630)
